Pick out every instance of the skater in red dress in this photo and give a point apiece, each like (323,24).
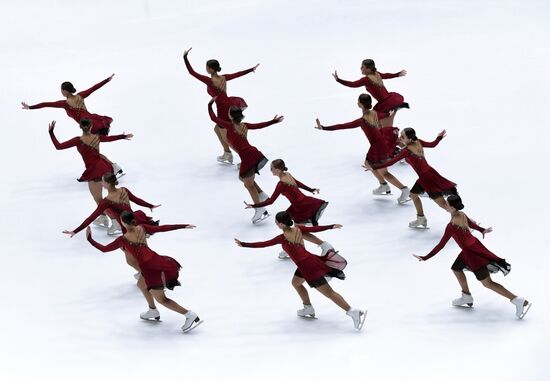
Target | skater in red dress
(216,86)
(158,271)
(252,160)
(383,145)
(75,108)
(372,81)
(303,209)
(428,179)
(116,202)
(311,268)
(88,147)
(474,257)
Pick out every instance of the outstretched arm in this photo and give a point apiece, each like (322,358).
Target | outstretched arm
(137,200)
(440,245)
(116,244)
(359,83)
(112,138)
(95,87)
(401,155)
(59,146)
(257,126)
(439,137)
(271,200)
(344,126)
(305,187)
(229,77)
(271,242)
(401,73)
(56,104)
(96,213)
(214,117)
(152,229)
(203,78)
(320,228)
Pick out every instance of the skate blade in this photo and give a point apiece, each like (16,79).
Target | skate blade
(308,317)
(465,306)
(404,202)
(227,163)
(382,194)
(362,321)
(119,175)
(256,222)
(152,320)
(421,227)
(195,325)
(115,233)
(525,310)
(101,226)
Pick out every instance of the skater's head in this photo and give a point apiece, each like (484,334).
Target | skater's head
(67,88)
(128,219)
(408,135)
(364,102)
(368,67)
(109,180)
(213,66)
(278,167)
(454,203)
(236,114)
(85,125)
(283,220)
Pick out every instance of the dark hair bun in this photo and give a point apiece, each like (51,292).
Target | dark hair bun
(214,65)
(455,201)
(68,86)
(128,217)
(110,178)
(366,101)
(279,164)
(284,218)
(410,133)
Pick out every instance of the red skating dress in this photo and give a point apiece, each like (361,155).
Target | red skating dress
(382,140)
(223,102)
(429,180)
(100,123)
(119,206)
(386,101)
(252,160)
(96,165)
(310,267)
(474,255)
(158,271)
(303,209)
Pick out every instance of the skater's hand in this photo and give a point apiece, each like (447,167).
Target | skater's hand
(212,101)
(316,191)
(255,67)
(24,106)
(337,226)
(239,243)
(88,232)
(70,233)
(248,206)
(487,231)
(51,125)
(111,77)
(335,75)
(367,167)
(442,134)
(402,73)
(155,206)
(186,52)
(128,136)
(418,257)
(278,118)
(319,126)
(190,226)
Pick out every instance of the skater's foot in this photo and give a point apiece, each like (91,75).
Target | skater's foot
(152,313)
(260,214)
(405,192)
(226,158)
(465,299)
(117,170)
(382,189)
(102,221)
(191,321)
(283,255)
(326,248)
(358,317)
(115,228)
(308,311)
(522,306)
(420,221)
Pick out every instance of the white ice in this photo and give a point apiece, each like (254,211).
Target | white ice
(477,69)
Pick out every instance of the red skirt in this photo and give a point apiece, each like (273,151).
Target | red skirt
(96,171)
(432,182)
(391,136)
(224,106)
(160,271)
(477,256)
(378,152)
(252,160)
(307,210)
(312,268)
(100,124)
(391,102)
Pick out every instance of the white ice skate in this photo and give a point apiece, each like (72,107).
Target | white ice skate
(117,170)
(150,314)
(383,189)
(102,221)
(326,248)
(260,214)
(465,299)
(283,255)
(226,158)
(522,306)
(420,222)
(115,228)
(191,322)
(405,193)
(358,317)
(307,312)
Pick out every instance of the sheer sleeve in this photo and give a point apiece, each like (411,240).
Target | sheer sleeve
(116,244)
(152,229)
(388,75)
(303,186)
(274,196)
(96,213)
(430,144)
(344,126)
(68,144)
(315,229)
(229,77)
(57,104)
(257,126)
(203,78)
(472,224)
(137,200)
(448,234)
(111,138)
(215,119)
(358,83)
(95,87)
(272,242)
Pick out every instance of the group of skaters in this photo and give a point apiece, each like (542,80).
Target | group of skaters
(388,145)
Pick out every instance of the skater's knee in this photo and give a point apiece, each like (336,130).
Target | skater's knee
(414,196)
(487,282)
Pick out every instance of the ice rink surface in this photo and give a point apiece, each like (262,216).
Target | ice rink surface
(477,69)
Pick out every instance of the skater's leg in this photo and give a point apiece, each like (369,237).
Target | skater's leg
(131,261)
(391,178)
(417,204)
(388,122)
(166,302)
(258,189)
(96,190)
(221,133)
(379,176)
(312,238)
(461,277)
(326,290)
(143,288)
(441,202)
(496,287)
(250,186)
(298,284)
